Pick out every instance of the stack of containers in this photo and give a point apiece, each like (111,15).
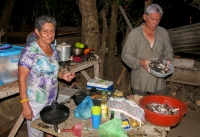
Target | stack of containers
(9,64)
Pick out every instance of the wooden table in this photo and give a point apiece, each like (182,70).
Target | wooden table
(11,89)
(76,67)
(148,129)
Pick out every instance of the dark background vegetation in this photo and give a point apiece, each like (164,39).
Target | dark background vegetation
(176,12)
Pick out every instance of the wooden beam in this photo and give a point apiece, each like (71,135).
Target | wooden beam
(182,82)
(17,34)
(196,25)
(87,77)
(125,17)
(16,126)
(180,46)
(185,76)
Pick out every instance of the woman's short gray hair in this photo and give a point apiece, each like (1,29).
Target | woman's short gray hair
(40,21)
(153,8)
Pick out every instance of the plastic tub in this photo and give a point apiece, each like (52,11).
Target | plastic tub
(163,119)
(9,64)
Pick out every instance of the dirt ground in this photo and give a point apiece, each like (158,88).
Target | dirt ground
(188,127)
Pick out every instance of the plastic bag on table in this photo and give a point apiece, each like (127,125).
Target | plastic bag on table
(112,128)
(83,110)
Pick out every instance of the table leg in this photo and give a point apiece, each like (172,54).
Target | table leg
(96,69)
(16,126)
(85,75)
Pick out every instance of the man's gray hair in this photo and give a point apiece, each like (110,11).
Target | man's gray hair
(153,8)
(40,21)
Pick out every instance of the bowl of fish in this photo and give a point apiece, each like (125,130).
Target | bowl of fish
(163,110)
(160,68)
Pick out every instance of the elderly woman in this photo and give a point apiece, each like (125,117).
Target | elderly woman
(39,71)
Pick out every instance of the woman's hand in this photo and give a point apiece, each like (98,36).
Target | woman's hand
(27,111)
(144,63)
(68,76)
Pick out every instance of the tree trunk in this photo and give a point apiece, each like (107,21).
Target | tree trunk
(125,85)
(90,26)
(110,65)
(102,50)
(6,15)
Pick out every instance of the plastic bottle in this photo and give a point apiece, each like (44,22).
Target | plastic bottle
(112,115)
(79,45)
(104,107)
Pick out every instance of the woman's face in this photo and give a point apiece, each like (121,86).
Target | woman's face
(47,34)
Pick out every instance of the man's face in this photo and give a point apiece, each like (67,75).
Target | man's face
(152,20)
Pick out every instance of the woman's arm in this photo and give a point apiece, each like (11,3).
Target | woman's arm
(22,82)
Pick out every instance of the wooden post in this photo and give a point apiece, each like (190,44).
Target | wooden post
(125,17)
(127,32)
(16,126)
(147,3)
(96,68)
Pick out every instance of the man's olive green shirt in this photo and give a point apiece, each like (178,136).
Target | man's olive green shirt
(137,47)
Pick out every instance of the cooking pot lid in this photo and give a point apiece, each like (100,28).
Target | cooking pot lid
(63,45)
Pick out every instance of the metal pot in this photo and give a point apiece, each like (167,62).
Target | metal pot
(64,53)
(77,51)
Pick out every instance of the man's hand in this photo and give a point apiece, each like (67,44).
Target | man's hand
(144,63)
(168,61)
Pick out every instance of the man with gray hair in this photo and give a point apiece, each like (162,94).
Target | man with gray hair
(146,42)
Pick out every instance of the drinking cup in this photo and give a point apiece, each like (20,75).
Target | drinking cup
(96,116)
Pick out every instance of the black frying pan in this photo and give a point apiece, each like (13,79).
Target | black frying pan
(54,114)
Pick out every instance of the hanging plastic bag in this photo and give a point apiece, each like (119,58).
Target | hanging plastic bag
(112,128)
(83,110)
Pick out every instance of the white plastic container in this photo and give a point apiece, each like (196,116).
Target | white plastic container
(100,84)
(9,64)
